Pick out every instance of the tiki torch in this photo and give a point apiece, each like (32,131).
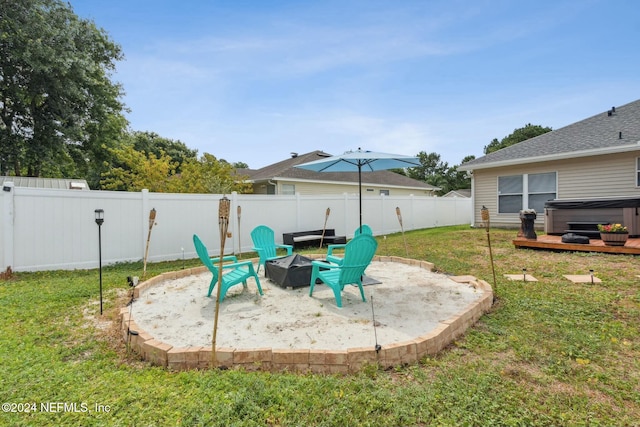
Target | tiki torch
(406,249)
(152,220)
(326,217)
(223,223)
(484,212)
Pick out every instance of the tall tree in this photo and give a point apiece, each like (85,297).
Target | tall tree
(521,134)
(56,96)
(210,175)
(435,172)
(151,142)
(136,170)
(431,170)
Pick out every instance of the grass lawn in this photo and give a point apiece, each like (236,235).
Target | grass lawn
(549,353)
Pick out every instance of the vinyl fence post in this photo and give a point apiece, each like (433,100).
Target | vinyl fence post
(8,192)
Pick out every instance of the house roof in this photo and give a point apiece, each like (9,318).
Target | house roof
(613,131)
(464,192)
(36,182)
(286,170)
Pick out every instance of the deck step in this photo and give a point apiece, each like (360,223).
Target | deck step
(592,234)
(585,228)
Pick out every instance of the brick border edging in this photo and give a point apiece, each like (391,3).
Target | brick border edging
(305,360)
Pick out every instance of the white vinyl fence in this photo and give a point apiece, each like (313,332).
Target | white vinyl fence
(52,229)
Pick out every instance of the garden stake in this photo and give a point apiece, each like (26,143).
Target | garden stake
(591,273)
(487,224)
(239,240)
(524,274)
(152,219)
(406,249)
(223,223)
(326,217)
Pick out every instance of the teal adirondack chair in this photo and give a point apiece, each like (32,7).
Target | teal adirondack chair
(357,256)
(240,271)
(265,244)
(337,259)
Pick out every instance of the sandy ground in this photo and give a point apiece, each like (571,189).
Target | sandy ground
(409,302)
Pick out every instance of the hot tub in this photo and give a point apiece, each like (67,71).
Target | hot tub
(623,210)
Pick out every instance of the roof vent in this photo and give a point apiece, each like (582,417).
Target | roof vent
(619,135)
(610,112)
(73,185)
(294,155)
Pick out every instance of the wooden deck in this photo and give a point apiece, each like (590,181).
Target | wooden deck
(554,243)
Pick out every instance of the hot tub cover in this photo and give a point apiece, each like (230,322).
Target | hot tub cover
(608,202)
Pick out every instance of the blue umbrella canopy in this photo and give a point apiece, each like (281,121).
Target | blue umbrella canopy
(359,160)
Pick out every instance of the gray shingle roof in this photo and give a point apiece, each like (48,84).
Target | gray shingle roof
(614,130)
(286,169)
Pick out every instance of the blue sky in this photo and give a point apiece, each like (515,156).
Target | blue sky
(253,81)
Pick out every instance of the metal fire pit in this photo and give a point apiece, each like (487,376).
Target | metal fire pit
(293,271)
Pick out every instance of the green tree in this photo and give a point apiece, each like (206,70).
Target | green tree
(435,172)
(432,169)
(240,165)
(56,96)
(521,134)
(210,175)
(137,170)
(133,170)
(151,142)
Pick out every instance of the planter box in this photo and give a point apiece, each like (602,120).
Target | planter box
(614,239)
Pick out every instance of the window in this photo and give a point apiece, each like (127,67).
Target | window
(385,192)
(542,187)
(528,191)
(289,189)
(509,194)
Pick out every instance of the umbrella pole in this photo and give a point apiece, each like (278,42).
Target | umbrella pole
(360,193)
(239,240)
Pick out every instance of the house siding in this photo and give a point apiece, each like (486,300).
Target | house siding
(611,175)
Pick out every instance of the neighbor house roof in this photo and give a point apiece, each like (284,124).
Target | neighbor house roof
(612,131)
(286,170)
(465,192)
(36,182)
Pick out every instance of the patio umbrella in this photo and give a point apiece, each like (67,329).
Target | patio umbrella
(359,161)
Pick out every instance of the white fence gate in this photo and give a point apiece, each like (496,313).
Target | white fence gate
(52,229)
